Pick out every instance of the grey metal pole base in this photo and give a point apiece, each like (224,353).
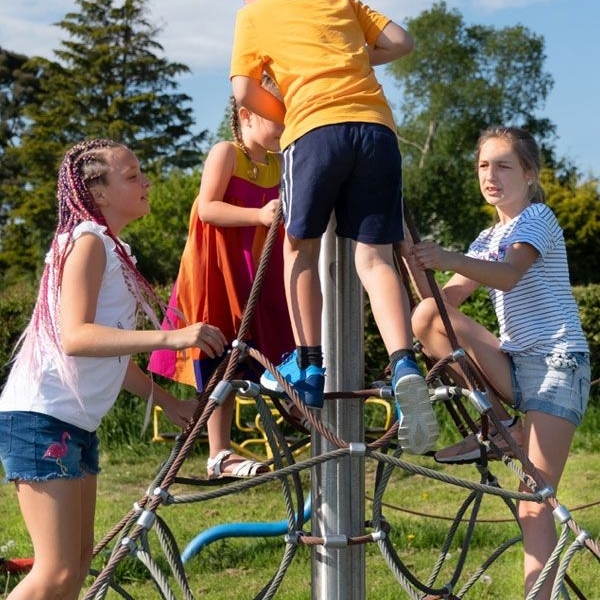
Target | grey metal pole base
(338,487)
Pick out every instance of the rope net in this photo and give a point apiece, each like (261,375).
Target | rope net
(130,536)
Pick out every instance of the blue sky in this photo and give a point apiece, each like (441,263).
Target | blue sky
(199,33)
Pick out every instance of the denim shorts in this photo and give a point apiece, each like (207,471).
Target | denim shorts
(37,447)
(351,169)
(555,384)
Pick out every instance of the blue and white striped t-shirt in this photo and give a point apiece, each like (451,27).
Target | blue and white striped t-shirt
(539,315)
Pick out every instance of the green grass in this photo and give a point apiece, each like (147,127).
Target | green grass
(417,508)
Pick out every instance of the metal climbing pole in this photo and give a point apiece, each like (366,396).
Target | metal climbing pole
(338,488)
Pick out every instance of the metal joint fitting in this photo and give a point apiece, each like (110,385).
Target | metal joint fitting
(546,492)
(357,448)
(480,401)
(247,389)
(127,541)
(458,353)
(162,494)
(221,392)
(582,538)
(146,519)
(561,514)
(292,538)
(378,535)
(335,541)
(386,392)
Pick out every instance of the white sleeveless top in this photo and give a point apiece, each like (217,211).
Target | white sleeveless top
(98,380)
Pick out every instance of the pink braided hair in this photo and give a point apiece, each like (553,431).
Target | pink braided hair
(84,164)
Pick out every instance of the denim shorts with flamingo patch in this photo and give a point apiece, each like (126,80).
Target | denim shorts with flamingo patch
(38,447)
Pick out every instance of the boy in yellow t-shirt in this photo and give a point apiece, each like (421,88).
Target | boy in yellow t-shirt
(341,156)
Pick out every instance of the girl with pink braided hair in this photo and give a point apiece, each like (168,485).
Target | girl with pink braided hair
(74,358)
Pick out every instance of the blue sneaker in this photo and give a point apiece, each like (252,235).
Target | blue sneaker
(289,369)
(418,428)
(308,383)
(310,387)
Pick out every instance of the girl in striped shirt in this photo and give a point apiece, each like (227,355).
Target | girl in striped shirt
(540,361)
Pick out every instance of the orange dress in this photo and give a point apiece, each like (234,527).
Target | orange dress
(216,272)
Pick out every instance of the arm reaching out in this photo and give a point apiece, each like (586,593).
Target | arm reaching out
(179,412)
(498,275)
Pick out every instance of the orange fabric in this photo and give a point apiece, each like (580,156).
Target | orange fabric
(217,269)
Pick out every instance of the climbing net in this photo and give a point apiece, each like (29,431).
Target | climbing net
(130,537)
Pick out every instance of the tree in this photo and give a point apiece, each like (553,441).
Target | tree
(18,88)
(577,208)
(110,80)
(458,81)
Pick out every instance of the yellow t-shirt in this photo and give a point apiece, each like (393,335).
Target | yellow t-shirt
(315,51)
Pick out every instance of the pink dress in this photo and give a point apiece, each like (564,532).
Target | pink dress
(216,272)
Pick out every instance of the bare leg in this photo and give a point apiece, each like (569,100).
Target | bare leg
(303,289)
(388,298)
(476,340)
(218,427)
(59,516)
(547,442)
(219,435)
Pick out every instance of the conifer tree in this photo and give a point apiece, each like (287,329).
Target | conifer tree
(109,79)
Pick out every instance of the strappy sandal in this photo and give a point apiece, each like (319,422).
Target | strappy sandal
(242,470)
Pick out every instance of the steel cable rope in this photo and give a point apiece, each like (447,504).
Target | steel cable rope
(316,540)
(206,408)
(417,513)
(550,564)
(562,576)
(171,551)
(115,586)
(188,437)
(465,364)
(397,566)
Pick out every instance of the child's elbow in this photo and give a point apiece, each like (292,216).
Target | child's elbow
(396,41)
(241,87)
(405,45)
(69,346)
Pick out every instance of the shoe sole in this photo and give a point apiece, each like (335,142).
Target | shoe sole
(270,384)
(475,454)
(468,457)
(412,397)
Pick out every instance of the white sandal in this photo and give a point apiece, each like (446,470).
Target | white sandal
(242,470)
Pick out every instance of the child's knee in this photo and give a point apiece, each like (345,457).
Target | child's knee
(423,316)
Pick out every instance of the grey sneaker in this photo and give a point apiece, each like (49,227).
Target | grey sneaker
(418,428)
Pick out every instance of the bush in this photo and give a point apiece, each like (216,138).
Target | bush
(588,301)
(123,424)
(16,305)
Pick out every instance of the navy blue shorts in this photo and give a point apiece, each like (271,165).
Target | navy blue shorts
(37,447)
(351,169)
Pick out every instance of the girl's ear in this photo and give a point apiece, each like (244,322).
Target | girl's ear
(97,192)
(244,114)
